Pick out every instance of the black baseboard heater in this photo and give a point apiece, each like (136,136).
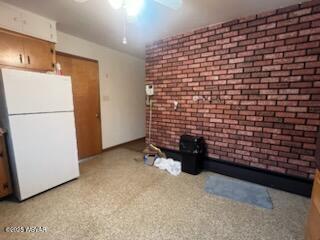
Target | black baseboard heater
(291,184)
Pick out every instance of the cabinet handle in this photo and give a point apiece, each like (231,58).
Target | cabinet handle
(29,61)
(21,59)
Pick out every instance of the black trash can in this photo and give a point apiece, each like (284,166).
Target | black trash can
(192,150)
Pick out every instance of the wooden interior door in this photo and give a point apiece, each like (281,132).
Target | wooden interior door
(318,151)
(11,50)
(38,54)
(85,85)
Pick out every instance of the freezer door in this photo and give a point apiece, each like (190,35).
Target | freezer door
(29,92)
(44,151)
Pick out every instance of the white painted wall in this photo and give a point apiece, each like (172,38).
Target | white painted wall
(121,89)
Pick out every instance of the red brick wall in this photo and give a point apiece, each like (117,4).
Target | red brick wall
(262,74)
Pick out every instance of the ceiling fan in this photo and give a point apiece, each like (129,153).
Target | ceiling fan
(131,8)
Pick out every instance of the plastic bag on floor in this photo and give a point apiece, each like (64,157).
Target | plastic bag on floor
(173,167)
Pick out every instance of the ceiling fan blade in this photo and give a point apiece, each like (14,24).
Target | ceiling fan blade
(173,4)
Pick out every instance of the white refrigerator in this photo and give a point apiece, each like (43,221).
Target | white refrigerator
(37,111)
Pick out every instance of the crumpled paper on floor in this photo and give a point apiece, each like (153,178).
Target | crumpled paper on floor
(173,167)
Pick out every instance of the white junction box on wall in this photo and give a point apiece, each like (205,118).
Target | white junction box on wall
(149,93)
(149,90)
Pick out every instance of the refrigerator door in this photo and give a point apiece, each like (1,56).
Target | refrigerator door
(30,92)
(44,151)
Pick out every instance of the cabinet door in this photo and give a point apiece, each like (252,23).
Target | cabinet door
(38,54)
(11,49)
(10,18)
(39,27)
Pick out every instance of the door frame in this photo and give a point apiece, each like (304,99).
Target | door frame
(97,62)
(76,56)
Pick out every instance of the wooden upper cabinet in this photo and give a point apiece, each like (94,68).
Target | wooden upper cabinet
(11,50)
(38,54)
(21,51)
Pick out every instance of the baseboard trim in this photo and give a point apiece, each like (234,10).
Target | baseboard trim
(83,160)
(291,184)
(121,144)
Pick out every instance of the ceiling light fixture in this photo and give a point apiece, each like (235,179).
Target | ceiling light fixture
(116,4)
(132,7)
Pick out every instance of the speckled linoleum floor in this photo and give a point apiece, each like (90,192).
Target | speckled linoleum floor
(118,197)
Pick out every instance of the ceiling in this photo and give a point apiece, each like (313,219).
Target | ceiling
(96,21)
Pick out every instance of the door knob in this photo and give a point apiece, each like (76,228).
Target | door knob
(97,115)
